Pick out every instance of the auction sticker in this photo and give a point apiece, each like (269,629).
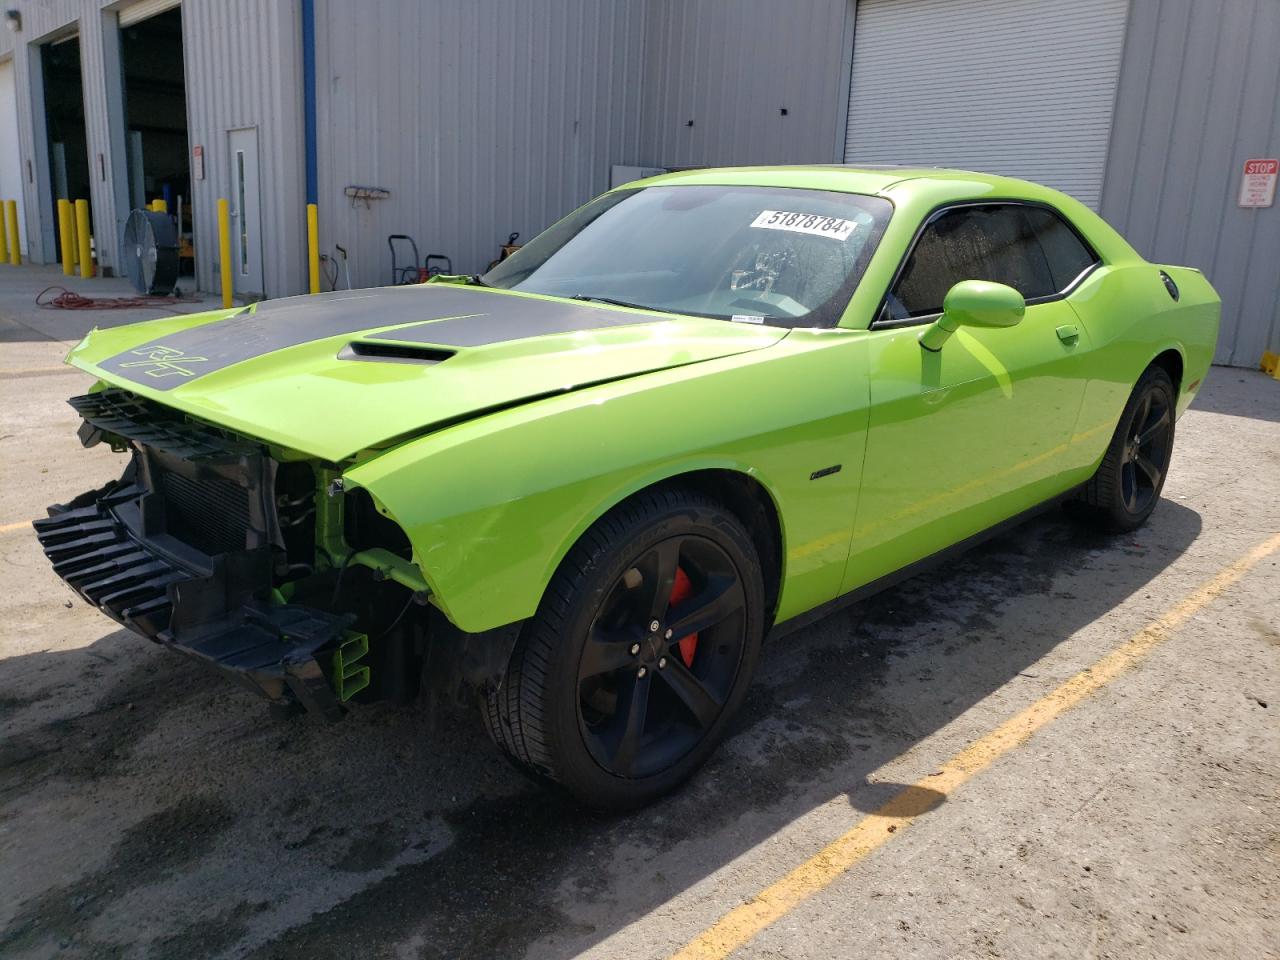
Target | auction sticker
(837,228)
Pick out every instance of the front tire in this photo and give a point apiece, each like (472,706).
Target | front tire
(598,700)
(1126,486)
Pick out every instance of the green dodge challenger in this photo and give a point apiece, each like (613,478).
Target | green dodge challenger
(702,409)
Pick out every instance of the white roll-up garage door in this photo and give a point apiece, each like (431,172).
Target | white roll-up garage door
(1023,88)
(144,9)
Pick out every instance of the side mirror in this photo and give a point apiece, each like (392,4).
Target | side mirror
(974,303)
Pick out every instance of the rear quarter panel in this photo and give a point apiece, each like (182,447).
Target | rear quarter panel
(1131,319)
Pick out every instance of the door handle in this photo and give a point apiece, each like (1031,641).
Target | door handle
(1068,333)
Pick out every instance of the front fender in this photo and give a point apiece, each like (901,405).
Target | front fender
(492,506)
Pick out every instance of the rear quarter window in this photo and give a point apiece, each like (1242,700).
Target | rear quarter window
(1064,251)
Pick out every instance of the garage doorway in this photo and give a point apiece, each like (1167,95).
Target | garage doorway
(64,125)
(155,118)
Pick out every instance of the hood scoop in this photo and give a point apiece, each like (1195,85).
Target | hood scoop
(393,353)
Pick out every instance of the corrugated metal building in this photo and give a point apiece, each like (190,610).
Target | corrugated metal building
(477,119)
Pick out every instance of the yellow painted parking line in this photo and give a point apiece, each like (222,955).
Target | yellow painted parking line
(11,527)
(743,923)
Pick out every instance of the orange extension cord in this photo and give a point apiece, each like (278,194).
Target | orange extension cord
(70,300)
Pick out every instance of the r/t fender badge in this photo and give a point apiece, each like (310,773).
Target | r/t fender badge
(164,362)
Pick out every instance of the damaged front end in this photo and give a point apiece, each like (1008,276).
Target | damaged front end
(248,559)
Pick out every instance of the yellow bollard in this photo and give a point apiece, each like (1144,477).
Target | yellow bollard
(4,244)
(313,246)
(67,237)
(83,239)
(11,225)
(159,206)
(75,240)
(224,249)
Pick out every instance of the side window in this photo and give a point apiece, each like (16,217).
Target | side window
(1066,253)
(993,242)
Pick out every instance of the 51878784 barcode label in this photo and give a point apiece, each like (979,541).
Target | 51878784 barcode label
(837,228)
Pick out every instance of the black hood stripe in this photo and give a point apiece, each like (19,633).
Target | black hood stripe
(435,314)
(530,318)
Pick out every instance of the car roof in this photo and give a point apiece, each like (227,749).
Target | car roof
(845,178)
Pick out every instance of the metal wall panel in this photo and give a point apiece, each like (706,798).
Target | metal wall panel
(1023,88)
(481,118)
(243,62)
(47,20)
(1198,97)
(10,155)
(731,67)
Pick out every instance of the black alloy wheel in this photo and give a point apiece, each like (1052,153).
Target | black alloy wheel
(642,650)
(1145,456)
(661,657)
(1126,486)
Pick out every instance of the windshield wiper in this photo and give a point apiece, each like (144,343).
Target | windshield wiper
(475,281)
(611,301)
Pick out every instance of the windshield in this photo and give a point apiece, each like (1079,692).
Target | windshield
(773,255)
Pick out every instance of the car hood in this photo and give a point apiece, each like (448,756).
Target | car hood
(334,374)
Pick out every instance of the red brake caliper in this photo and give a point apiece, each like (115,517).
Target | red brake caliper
(680,592)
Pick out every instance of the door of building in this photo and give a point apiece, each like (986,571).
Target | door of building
(246,214)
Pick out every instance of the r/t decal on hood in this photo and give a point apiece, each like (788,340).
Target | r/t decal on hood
(163,361)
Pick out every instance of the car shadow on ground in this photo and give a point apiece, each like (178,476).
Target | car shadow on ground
(209,830)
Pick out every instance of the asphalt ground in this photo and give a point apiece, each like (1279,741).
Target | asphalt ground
(1063,744)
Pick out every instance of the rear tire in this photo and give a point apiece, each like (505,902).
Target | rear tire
(1126,487)
(596,701)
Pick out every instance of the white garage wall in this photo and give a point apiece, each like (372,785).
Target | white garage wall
(10,155)
(1023,88)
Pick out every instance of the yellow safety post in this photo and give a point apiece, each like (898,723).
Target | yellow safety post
(83,239)
(67,237)
(4,244)
(75,239)
(11,225)
(224,248)
(313,246)
(159,206)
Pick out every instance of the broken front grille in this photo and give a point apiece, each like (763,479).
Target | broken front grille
(127,415)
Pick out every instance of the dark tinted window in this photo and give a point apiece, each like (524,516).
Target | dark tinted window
(1029,248)
(971,243)
(1067,255)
